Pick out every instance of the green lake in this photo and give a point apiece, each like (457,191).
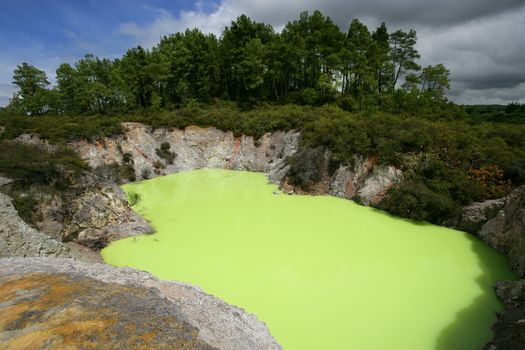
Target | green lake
(323,273)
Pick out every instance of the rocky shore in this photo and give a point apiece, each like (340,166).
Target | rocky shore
(98,213)
(52,303)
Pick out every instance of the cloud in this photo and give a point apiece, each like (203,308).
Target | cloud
(498,95)
(166,23)
(420,12)
(486,57)
(478,40)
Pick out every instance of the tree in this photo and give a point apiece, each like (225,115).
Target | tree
(358,75)
(403,54)
(186,64)
(67,86)
(314,42)
(380,58)
(239,43)
(135,72)
(435,81)
(32,83)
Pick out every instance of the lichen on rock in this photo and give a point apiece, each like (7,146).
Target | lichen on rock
(59,303)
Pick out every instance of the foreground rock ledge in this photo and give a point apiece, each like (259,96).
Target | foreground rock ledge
(48,303)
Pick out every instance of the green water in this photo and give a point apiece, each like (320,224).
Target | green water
(323,273)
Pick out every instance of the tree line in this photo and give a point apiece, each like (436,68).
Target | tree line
(311,62)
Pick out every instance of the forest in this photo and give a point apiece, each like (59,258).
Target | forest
(311,62)
(354,93)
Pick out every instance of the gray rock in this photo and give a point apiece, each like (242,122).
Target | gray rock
(134,299)
(365,181)
(101,214)
(510,327)
(506,231)
(501,223)
(474,216)
(35,140)
(195,148)
(4,181)
(378,183)
(18,239)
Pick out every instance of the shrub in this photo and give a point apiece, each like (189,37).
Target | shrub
(416,201)
(25,205)
(159,165)
(491,179)
(133,198)
(145,173)
(165,153)
(127,158)
(516,171)
(306,167)
(28,164)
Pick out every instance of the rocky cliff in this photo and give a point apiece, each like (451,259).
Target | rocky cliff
(501,224)
(18,239)
(98,212)
(92,212)
(195,148)
(48,303)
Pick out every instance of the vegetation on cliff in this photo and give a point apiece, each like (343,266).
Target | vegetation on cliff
(354,93)
(36,171)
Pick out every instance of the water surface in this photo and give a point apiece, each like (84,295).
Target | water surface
(323,273)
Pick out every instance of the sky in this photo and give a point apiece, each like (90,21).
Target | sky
(480,41)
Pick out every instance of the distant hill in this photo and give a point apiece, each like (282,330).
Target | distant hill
(511,113)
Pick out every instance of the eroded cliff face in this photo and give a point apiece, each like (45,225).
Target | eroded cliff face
(196,148)
(501,224)
(98,211)
(48,303)
(18,239)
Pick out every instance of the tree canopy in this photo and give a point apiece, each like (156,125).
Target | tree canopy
(311,62)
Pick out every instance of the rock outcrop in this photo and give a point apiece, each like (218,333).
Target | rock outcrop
(500,223)
(93,212)
(59,303)
(366,182)
(195,148)
(18,239)
(510,327)
(474,216)
(97,212)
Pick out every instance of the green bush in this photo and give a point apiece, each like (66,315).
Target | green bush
(516,171)
(416,201)
(435,145)
(165,153)
(29,165)
(306,167)
(133,198)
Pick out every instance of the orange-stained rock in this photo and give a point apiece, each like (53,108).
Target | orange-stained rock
(51,303)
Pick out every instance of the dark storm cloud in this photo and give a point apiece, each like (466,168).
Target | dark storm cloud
(443,12)
(401,12)
(480,41)
(486,56)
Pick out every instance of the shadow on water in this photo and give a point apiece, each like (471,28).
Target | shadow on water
(470,324)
